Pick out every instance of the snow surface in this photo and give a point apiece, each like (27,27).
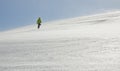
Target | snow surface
(89,43)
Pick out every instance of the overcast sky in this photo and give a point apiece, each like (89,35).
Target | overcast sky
(17,13)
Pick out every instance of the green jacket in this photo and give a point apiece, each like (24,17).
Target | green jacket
(39,21)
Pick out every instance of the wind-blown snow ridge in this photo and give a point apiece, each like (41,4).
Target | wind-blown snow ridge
(95,24)
(89,43)
(97,18)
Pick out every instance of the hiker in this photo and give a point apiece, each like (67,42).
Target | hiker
(39,22)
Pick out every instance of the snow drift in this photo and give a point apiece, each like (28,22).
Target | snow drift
(88,43)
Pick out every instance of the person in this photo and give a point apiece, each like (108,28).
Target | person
(39,22)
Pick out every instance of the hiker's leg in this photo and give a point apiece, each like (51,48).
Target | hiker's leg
(38,26)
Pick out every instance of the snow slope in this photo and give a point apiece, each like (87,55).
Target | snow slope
(89,43)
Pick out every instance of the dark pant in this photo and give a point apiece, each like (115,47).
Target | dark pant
(39,26)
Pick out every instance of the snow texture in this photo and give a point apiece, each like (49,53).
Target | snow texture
(88,43)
